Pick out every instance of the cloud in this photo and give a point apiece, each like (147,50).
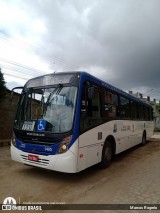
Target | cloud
(118,41)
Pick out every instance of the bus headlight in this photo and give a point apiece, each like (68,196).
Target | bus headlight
(13,139)
(64,145)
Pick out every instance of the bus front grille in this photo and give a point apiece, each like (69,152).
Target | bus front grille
(37,142)
(40,161)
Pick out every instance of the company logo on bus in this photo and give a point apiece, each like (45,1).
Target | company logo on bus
(48,149)
(22,145)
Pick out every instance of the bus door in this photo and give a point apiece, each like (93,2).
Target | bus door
(90,121)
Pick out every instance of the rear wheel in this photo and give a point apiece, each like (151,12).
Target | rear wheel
(106,155)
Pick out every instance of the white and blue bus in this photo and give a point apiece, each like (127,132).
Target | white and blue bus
(68,122)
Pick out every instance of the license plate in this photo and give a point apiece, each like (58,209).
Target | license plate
(33,157)
(28,125)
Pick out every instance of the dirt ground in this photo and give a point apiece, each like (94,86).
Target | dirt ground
(133,177)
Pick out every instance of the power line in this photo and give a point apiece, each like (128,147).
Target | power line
(16,76)
(39,72)
(148,91)
(42,55)
(34,50)
(15,73)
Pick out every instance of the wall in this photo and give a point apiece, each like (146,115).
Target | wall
(7,113)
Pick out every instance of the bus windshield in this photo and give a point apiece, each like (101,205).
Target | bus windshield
(47,109)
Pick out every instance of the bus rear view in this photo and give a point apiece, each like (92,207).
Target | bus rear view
(44,123)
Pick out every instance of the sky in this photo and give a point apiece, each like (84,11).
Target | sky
(115,40)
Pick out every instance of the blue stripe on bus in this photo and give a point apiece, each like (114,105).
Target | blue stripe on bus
(36,148)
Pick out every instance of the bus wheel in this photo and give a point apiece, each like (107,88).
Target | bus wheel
(106,155)
(143,139)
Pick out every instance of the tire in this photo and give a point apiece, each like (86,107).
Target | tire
(107,153)
(143,139)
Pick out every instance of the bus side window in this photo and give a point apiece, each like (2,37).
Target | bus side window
(124,108)
(134,110)
(91,108)
(146,114)
(140,111)
(151,114)
(110,105)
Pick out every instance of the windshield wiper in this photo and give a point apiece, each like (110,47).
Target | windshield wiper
(56,91)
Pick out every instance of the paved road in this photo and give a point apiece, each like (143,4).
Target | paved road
(133,178)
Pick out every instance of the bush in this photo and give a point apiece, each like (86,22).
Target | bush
(2,85)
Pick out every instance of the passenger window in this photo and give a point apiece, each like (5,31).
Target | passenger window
(140,112)
(124,107)
(110,105)
(134,110)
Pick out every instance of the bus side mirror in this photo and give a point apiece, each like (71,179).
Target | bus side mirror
(91,93)
(11,97)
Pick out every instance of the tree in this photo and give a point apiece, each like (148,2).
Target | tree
(2,85)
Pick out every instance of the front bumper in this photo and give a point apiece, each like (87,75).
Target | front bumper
(66,162)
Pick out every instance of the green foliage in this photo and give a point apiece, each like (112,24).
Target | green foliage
(2,85)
